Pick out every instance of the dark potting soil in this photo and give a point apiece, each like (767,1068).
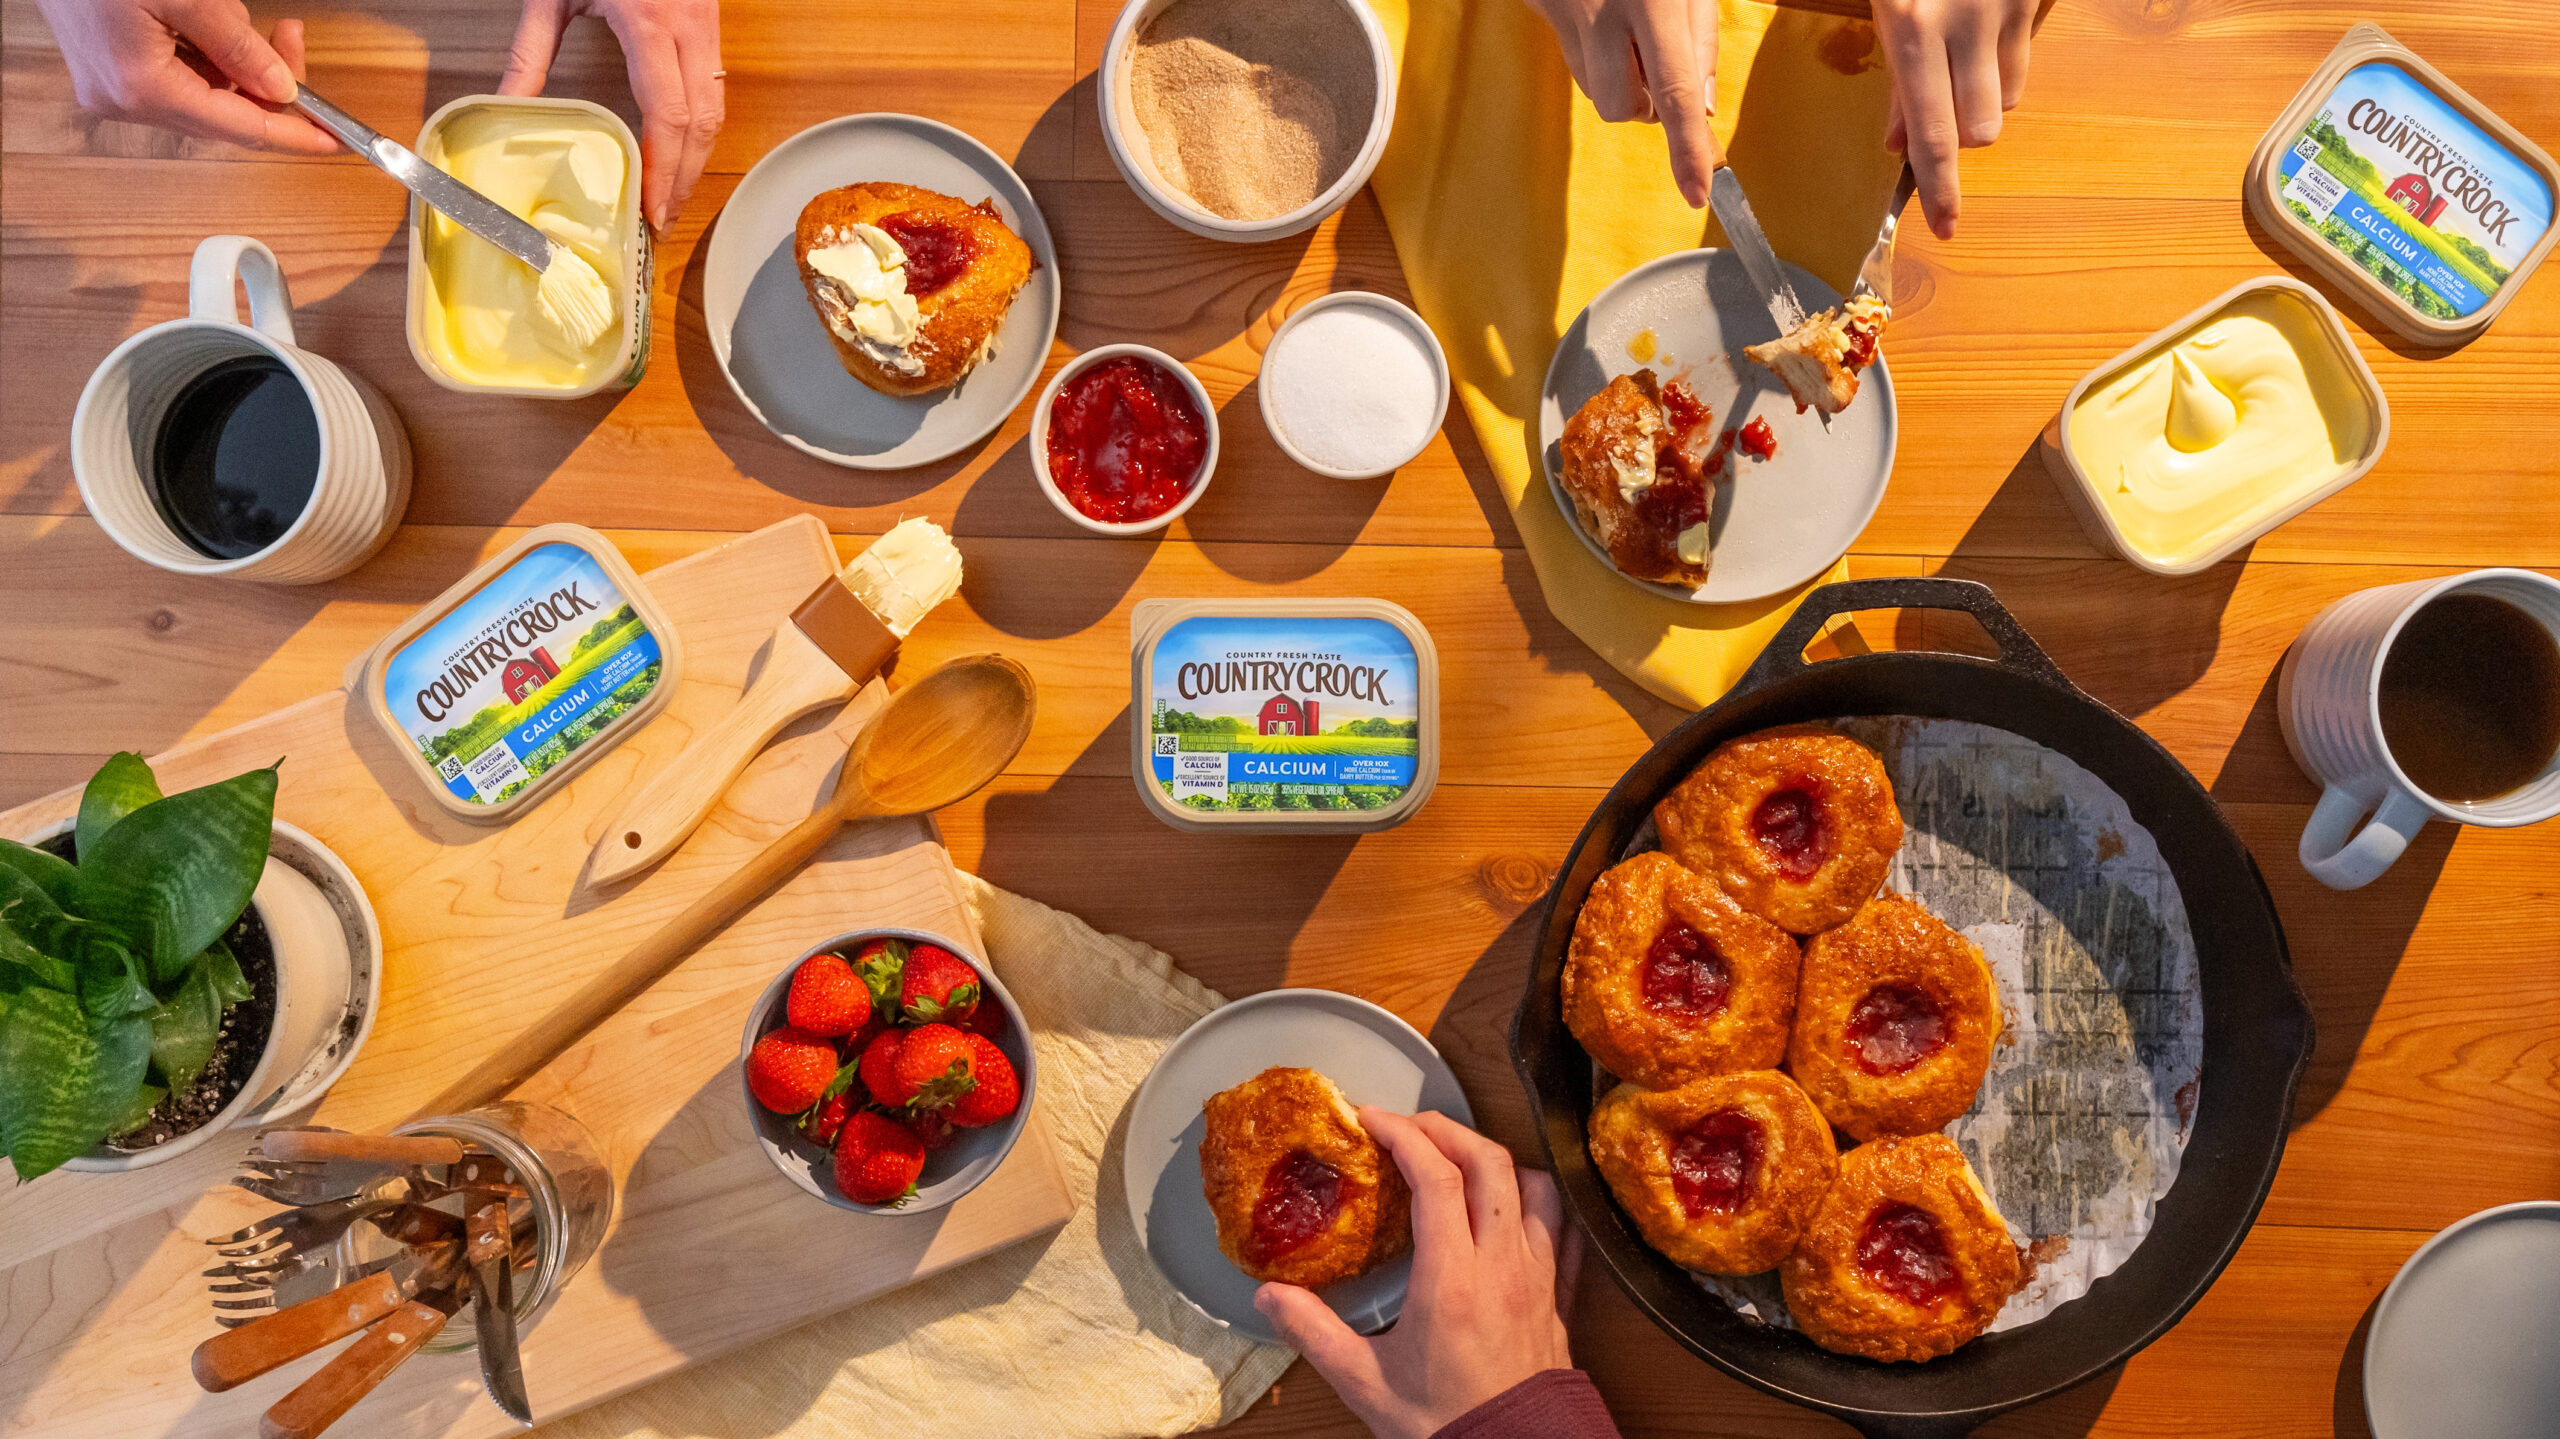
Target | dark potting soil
(236,1049)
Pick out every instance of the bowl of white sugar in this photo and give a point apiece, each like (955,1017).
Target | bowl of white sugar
(1246,120)
(1354,386)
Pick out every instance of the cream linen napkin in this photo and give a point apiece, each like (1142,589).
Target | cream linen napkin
(1072,1336)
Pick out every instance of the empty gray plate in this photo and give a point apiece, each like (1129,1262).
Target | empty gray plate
(2466,1341)
(1781,521)
(1375,1057)
(775,350)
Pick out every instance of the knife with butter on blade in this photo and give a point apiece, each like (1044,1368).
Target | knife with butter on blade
(820,654)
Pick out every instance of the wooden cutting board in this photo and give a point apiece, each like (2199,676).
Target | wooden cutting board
(483,929)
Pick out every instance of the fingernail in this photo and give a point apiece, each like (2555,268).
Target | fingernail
(280,82)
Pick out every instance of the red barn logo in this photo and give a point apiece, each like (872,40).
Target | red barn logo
(532,672)
(2412,193)
(1283,715)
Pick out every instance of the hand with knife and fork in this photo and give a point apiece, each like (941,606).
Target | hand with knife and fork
(1957,66)
(203,68)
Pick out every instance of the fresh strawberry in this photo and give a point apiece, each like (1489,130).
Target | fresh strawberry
(827,997)
(931,1068)
(879,1059)
(822,1124)
(939,987)
(789,1070)
(998,1090)
(988,1020)
(877,1160)
(933,1127)
(882,963)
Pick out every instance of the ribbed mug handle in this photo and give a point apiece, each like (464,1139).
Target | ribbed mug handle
(209,276)
(2340,855)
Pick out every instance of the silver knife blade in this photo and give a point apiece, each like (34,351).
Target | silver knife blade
(493,1309)
(1875,273)
(457,201)
(1742,231)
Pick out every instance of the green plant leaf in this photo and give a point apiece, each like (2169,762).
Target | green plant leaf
(20,961)
(122,785)
(184,1029)
(34,915)
(62,1079)
(111,984)
(51,872)
(222,967)
(172,876)
(145,1099)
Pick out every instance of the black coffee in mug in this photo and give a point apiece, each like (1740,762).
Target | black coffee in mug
(2471,698)
(237,457)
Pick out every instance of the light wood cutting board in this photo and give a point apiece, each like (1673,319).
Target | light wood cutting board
(482,928)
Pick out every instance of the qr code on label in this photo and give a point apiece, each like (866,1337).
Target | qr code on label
(2307,147)
(450,768)
(1168,744)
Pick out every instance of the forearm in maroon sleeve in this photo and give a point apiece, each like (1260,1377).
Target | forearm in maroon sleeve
(1554,1404)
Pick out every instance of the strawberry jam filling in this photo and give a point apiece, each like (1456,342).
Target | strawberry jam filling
(1675,502)
(1895,1027)
(937,250)
(1714,1164)
(1684,975)
(1756,438)
(1125,440)
(1300,1198)
(1904,1253)
(1791,826)
(1685,411)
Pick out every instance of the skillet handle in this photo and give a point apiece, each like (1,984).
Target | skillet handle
(2019,653)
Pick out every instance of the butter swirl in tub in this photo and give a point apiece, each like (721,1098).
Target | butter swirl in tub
(493,321)
(2229,422)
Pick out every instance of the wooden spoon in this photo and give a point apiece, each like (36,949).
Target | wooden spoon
(939,741)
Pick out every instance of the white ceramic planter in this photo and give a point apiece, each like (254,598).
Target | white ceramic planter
(328,950)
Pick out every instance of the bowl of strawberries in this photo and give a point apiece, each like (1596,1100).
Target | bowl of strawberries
(887,1071)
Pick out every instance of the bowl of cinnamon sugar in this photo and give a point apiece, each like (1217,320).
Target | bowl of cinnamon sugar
(1246,120)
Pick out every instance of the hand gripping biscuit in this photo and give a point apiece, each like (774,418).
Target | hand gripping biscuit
(1721,1174)
(1301,1193)
(1906,1258)
(1895,1020)
(1797,824)
(1667,979)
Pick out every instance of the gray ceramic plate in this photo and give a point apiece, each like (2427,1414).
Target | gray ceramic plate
(2466,1341)
(1781,521)
(775,350)
(1375,1057)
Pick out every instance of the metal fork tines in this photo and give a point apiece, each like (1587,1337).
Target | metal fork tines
(1875,273)
(264,1288)
(279,1236)
(297,1181)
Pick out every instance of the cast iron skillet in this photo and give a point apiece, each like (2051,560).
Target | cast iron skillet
(2257,1029)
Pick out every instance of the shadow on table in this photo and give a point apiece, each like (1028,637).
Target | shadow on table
(2347,1417)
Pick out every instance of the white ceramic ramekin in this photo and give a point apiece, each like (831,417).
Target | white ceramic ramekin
(1127,141)
(1393,310)
(1039,439)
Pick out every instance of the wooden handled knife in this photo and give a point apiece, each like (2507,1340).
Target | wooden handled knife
(235,1356)
(320,1401)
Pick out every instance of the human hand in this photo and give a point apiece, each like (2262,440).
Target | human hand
(1492,1267)
(672,49)
(126,63)
(1647,60)
(1957,65)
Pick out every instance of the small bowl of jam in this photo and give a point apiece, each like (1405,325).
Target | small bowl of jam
(1124,440)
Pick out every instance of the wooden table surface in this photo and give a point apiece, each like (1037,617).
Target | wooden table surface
(2111,207)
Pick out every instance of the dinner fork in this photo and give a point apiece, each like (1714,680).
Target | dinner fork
(1875,273)
(280,1237)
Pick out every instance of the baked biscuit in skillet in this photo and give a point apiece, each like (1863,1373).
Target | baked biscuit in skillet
(1667,979)
(1906,1259)
(1301,1193)
(1721,1174)
(1895,1020)
(1797,824)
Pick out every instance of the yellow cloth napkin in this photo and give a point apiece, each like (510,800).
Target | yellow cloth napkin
(1512,204)
(1070,1336)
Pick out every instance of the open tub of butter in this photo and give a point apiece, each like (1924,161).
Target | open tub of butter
(2218,428)
(570,168)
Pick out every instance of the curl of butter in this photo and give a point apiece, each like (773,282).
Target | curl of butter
(2200,415)
(905,573)
(866,275)
(573,299)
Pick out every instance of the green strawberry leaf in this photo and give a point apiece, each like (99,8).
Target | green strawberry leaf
(883,974)
(172,876)
(944,1089)
(122,785)
(184,1029)
(63,1081)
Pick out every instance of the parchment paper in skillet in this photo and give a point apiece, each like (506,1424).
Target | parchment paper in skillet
(2084,1116)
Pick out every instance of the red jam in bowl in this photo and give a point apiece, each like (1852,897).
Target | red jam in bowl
(1905,1254)
(1712,1165)
(1790,825)
(1895,1027)
(1684,975)
(1125,440)
(1300,1198)
(937,250)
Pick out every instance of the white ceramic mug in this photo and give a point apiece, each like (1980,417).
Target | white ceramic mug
(2329,701)
(363,484)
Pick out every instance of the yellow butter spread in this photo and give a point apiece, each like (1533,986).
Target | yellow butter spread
(564,173)
(2231,422)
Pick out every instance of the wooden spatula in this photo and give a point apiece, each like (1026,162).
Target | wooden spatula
(937,742)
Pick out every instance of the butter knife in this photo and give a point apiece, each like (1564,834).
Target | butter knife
(1750,244)
(457,201)
(493,1300)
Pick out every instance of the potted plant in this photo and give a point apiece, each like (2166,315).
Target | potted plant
(139,991)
